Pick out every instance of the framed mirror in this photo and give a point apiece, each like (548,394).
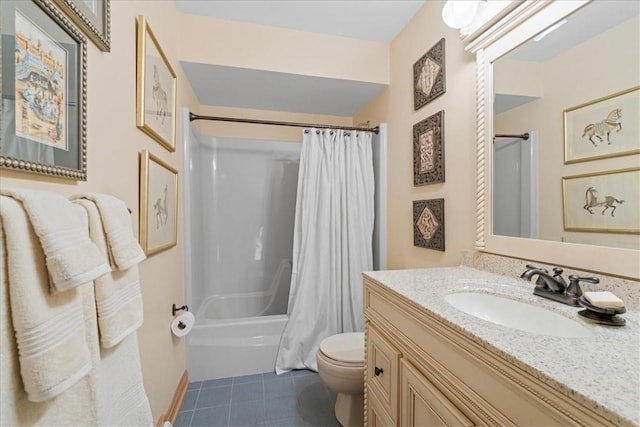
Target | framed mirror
(551,78)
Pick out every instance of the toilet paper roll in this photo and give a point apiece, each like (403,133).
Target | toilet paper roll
(182,324)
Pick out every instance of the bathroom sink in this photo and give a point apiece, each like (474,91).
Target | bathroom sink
(517,315)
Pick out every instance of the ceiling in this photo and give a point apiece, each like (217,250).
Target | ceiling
(374,20)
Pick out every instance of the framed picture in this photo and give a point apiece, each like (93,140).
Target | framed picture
(156,89)
(428,224)
(93,18)
(429,78)
(605,127)
(158,204)
(428,150)
(604,202)
(44,91)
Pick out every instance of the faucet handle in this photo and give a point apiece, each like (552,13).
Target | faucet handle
(533,267)
(574,284)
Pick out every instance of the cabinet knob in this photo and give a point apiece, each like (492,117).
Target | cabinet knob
(378,371)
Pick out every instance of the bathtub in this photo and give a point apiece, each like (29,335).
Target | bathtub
(221,348)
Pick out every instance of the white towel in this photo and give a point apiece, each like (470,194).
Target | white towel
(116,220)
(118,296)
(49,328)
(71,258)
(122,398)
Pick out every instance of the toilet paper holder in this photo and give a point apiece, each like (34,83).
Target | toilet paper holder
(174,309)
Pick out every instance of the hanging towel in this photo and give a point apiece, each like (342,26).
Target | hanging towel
(118,297)
(122,398)
(71,258)
(116,220)
(50,330)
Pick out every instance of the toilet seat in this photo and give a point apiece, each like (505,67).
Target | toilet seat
(344,349)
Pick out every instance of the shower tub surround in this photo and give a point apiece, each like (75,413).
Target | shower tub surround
(601,372)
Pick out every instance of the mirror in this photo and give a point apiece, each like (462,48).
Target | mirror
(556,75)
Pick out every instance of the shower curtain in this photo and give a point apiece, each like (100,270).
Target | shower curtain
(332,244)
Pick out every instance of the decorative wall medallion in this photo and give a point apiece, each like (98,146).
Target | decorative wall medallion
(428,224)
(429,79)
(428,150)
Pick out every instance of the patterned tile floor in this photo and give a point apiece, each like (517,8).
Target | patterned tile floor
(297,398)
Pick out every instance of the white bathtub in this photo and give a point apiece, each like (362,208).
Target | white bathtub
(232,347)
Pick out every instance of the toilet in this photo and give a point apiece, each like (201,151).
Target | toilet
(341,367)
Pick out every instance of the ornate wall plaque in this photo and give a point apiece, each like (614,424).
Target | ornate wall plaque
(428,224)
(429,79)
(428,150)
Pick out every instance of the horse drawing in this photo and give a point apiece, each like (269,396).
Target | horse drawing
(591,196)
(159,95)
(160,206)
(604,127)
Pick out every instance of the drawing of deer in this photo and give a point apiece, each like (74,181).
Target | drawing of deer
(591,196)
(604,127)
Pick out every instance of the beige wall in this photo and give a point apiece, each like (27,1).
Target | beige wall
(395,106)
(238,44)
(113,146)
(573,78)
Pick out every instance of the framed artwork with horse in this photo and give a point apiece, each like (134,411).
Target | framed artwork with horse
(604,202)
(156,89)
(158,204)
(602,128)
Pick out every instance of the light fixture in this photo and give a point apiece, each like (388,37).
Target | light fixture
(550,29)
(459,13)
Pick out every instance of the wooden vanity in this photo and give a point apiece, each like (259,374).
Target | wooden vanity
(424,370)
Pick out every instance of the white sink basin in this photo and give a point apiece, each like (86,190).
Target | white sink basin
(517,315)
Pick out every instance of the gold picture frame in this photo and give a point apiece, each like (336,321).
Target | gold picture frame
(93,17)
(158,204)
(44,92)
(602,128)
(602,202)
(155,88)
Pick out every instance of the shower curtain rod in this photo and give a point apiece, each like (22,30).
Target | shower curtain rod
(193,117)
(524,136)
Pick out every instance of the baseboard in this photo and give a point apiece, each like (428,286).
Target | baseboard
(176,402)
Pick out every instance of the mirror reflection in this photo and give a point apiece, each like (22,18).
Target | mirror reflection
(566,162)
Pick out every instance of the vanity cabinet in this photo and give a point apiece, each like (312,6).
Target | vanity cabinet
(422,371)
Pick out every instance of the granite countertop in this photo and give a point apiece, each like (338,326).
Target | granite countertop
(599,371)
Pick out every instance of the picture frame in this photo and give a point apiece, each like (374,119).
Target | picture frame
(93,17)
(44,91)
(428,224)
(158,204)
(429,76)
(603,128)
(155,88)
(428,150)
(602,202)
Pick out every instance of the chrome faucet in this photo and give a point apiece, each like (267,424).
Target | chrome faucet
(554,287)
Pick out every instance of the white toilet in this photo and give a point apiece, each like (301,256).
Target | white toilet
(341,367)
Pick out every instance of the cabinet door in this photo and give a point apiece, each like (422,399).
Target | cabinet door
(422,404)
(382,371)
(377,416)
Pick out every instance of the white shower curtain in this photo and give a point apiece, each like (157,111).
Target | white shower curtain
(332,243)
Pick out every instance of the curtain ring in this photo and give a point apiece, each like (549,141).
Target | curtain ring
(306,131)
(317,132)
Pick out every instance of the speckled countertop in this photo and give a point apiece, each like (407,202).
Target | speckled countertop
(600,371)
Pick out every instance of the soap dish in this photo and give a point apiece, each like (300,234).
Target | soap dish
(605,316)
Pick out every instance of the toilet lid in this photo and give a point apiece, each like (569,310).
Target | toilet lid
(346,348)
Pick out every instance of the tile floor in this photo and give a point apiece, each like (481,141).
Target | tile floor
(297,398)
